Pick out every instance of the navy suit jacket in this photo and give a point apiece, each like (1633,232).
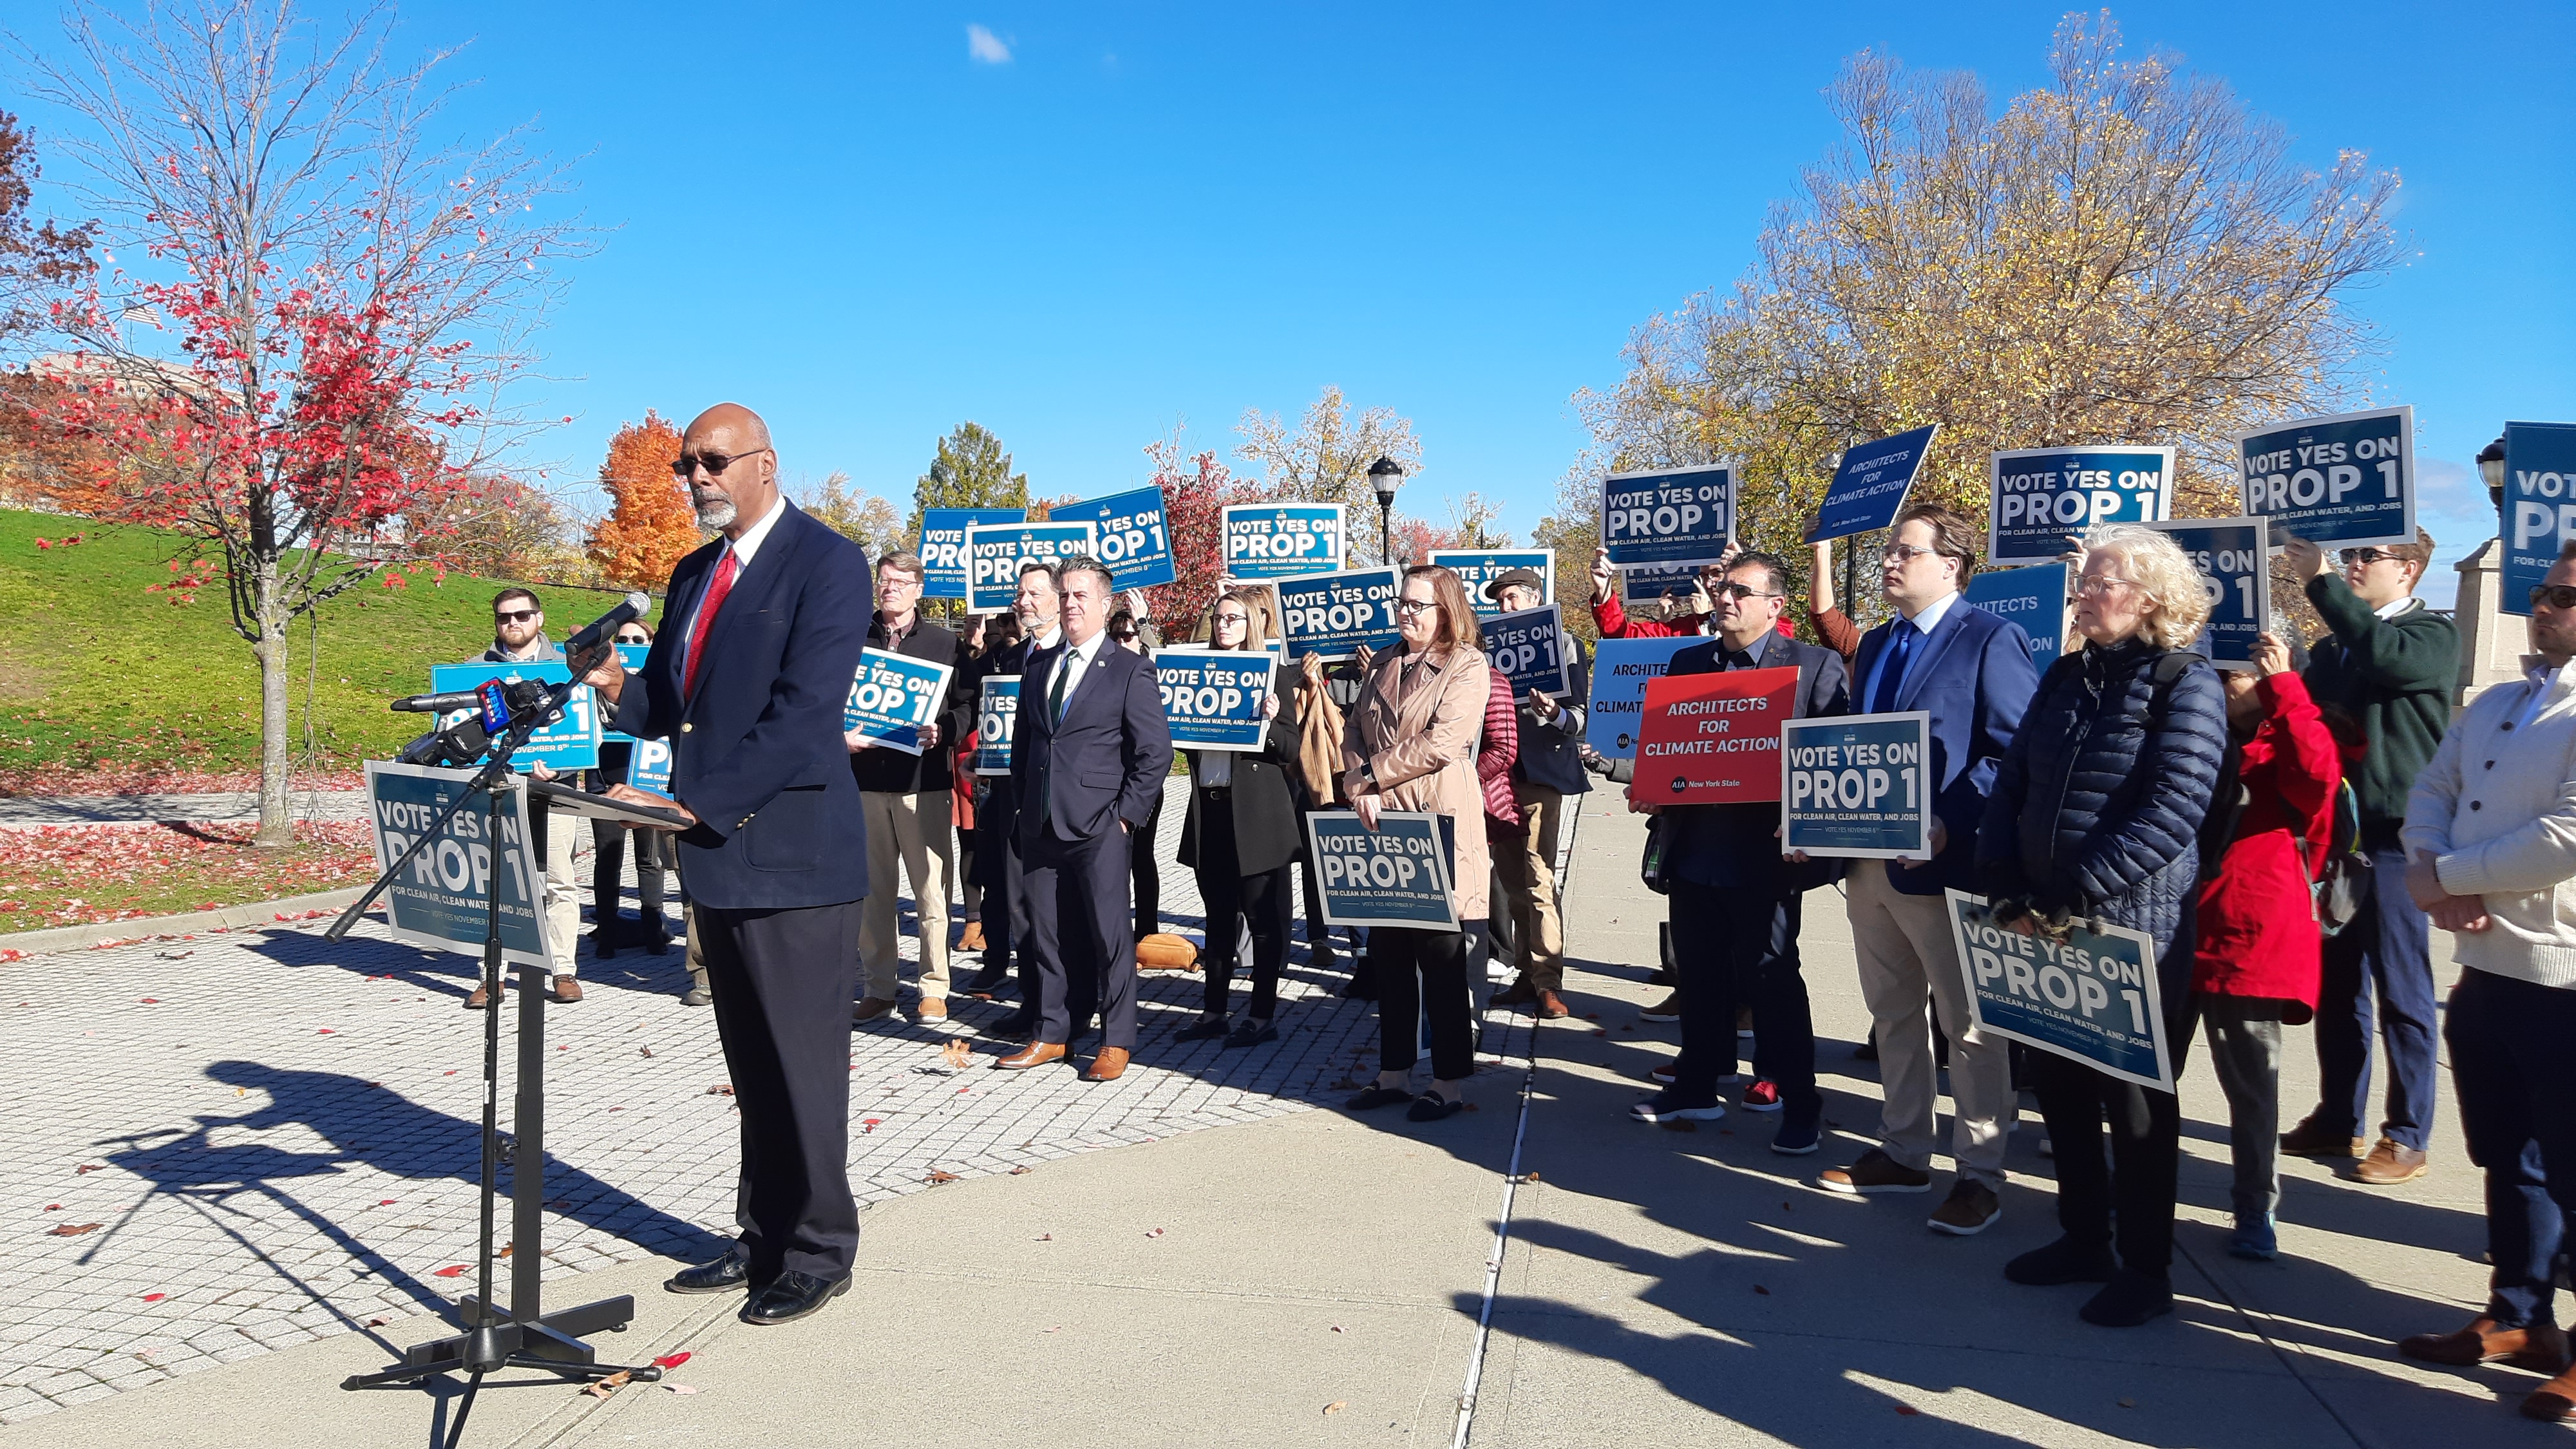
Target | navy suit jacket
(1738,846)
(1105,763)
(1975,677)
(756,752)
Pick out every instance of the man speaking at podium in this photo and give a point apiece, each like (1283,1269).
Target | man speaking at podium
(761,635)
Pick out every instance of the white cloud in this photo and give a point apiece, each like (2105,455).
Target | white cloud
(983,45)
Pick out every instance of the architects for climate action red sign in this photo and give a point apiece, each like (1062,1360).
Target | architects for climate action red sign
(1713,739)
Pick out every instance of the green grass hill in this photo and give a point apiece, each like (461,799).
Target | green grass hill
(104,683)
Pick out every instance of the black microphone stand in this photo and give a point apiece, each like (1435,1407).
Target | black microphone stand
(524,1335)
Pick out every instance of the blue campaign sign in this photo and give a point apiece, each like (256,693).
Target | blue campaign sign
(1395,875)
(1869,488)
(1530,649)
(2042,496)
(649,768)
(1212,698)
(2343,480)
(943,546)
(569,743)
(1649,585)
(1283,540)
(1664,516)
(1330,615)
(2235,562)
(1477,568)
(2539,505)
(438,900)
(892,697)
(994,553)
(997,716)
(1621,670)
(1135,541)
(1856,786)
(2090,998)
(2033,598)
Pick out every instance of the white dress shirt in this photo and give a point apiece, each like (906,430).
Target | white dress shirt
(1072,668)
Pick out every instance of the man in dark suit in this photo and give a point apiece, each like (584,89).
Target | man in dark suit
(1735,901)
(1088,760)
(1038,606)
(1972,672)
(763,629)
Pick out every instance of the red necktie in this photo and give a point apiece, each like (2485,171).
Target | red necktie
(716,591)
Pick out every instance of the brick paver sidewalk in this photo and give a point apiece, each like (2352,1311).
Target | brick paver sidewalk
(275,1137)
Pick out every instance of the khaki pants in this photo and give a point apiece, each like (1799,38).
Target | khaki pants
(1528,873)
(564,832)
(1906,950)
(911,831)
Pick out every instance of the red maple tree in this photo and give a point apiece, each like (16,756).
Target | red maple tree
(650,525)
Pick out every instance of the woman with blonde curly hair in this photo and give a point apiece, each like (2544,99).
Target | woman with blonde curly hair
(2096,815)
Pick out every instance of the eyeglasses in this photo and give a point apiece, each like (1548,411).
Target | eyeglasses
(686,465)
(1741,592)
(2365,557)
(2556,596)
(514,616)
(1234,618)
(1897,553)
(1410,607)
(898,581)
(2092,588)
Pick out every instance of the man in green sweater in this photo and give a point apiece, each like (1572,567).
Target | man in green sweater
(2393,664)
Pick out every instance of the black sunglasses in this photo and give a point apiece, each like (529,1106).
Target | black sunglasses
(686,465)
(2368,556)
(1741,592)
(514,616)
(2556,596)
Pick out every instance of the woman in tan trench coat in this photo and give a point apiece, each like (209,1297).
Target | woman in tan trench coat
(1411,745)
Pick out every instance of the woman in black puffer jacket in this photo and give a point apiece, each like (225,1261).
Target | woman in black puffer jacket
(2096,813)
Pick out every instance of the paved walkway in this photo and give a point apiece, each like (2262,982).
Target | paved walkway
(28,812)
(1302,1277)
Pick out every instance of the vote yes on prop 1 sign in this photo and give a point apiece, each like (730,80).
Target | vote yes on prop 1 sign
(2043,496)
(2090,998)
(1666,516)
(2343,480)
(1331,615)
(1213,698)
(995,552)
(1530,650)
(1135,541)
(1395,875)
(1856,786)
(997,718)
(2234,558)
(892,698)
(2539,506)
(1282,540)
(1477,568)
(943,546)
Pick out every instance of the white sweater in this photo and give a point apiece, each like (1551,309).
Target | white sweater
(2497,807)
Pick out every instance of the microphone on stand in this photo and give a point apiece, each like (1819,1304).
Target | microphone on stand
(604,628)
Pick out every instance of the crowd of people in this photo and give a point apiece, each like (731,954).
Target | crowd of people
(2285,835)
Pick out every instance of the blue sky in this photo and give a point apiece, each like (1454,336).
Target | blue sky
(1106,220)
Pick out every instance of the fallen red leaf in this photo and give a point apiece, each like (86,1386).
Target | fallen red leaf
(672,1360)
(325,1031)
(87,1167)
(154,1297)
(450,1271)
(152,1001)
(53,1207)
(940,1175)
(71,1230)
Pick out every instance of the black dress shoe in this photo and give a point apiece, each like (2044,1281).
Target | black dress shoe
(1206,1028)
(1432,1107)
(724,1275)
(603,943)
(1018,1026)
(989,980)
(1250,1033)
(1376,1097)
(792,1295)
(2063,1261)
(660,945)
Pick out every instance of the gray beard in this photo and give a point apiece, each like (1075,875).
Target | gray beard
(717,514)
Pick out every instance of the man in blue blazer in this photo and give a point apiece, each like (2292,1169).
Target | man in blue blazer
(1088,759)
(761,635)
(1972,672)
(1735,902)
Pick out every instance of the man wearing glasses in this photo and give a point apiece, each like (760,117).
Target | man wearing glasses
(519,637)
(763,631)
(906,799)
(2392,664)
(1735,901)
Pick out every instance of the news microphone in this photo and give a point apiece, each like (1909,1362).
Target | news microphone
(604,628)
(439,703)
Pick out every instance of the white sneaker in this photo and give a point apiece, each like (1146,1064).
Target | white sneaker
(1653,1110)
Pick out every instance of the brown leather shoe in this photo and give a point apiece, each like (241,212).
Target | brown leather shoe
(478,1000)
(1035,1054)
(1550,1005)
(932,1008)
(566,990)
(2308,1139)
(870,1008)
(2552,1401)
(1109,1066)
(2542,1349)
(972,938)
(1519,993)
(2389,1164)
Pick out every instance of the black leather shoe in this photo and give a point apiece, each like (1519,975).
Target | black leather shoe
(1432,1107)
(724,1275)
(1018,1026)
(989,980)
(1250,1033)
(1206,1028)
(1376,1097)
(2063,1261)
(792,1295)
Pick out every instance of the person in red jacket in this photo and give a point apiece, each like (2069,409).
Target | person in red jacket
(1612,617)
(2257,964)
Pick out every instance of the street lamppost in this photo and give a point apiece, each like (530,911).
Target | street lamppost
(1386,475)
(2491,468)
